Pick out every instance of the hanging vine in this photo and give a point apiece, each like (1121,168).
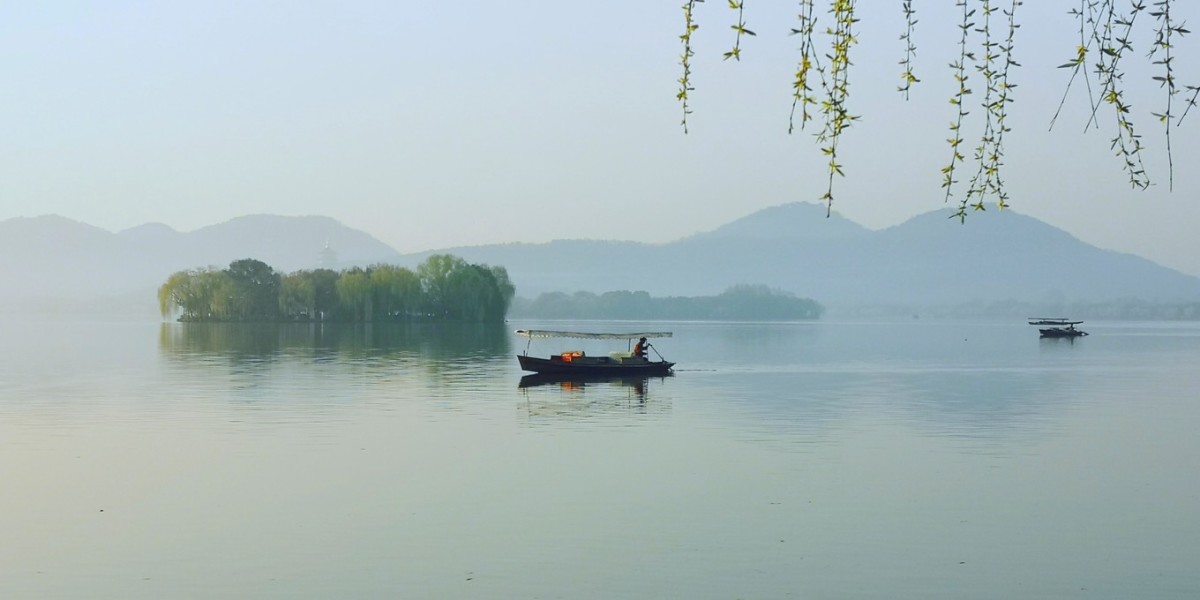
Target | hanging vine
(740,28)
(1114,43)
(1103,29)
(959,101)
(1162,42)
(994,67)
(907,77)
(999,108)
(802,92)
(833,108)
(1085,14)
(685,82)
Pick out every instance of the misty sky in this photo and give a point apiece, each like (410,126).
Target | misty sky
(436,124)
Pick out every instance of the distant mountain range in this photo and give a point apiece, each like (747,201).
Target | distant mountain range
(928,260)
(54,262)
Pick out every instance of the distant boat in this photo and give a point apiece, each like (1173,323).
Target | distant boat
(1057,327)
(576,362)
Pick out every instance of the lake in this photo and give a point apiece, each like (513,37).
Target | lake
(829,459)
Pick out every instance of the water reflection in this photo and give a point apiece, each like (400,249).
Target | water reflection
(637,382)
(1045,341)
(142,453)
(576,396)
(254,342)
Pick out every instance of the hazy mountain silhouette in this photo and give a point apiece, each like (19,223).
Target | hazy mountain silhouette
(51,259)
(928,260)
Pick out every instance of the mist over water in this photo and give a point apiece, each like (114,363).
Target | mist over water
(910,458)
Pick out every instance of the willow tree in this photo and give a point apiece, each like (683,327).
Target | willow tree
(256,290)
(986,41)
(397,291)
(297,296)
(174,293)
(355,294)
(199,295)
(456,290)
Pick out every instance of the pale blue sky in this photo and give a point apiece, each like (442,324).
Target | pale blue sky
(435,124)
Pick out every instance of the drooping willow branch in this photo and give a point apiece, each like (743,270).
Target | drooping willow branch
(994,66)
(907,77)
(740,28)
(802,92)
(685,81)
(834,108)
(1000,107)
(1166,29)
(959,67)
(1085,14)
(1102,29)
(1114,43)
(834,82)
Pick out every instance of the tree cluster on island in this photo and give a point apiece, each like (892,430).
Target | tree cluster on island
(737,303)
(444,287)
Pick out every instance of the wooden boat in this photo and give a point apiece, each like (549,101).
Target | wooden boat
(1057,327)
(577,362)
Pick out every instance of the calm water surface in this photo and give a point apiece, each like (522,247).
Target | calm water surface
(910,459)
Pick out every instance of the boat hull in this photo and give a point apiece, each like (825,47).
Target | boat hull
(1059,332)
(599,367)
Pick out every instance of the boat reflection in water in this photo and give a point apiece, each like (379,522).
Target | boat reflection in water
(579,382)
(587,396)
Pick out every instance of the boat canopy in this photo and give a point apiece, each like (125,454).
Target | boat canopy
(1052,321)
(546,333)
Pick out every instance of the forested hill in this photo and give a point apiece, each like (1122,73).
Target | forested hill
(928,260)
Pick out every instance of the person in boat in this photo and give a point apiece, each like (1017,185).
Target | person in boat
(639,349)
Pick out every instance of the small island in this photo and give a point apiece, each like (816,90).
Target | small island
(443,288)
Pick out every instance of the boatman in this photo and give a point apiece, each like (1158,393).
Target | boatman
(639,349)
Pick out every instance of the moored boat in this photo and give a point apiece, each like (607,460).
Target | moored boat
(578,362)
(1057,327)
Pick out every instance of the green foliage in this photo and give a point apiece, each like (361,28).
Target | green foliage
(454,289)
(174,293)
(256,288)
(910,48)
(743,302)
(802,91)
(199,295)
(994,66)
(987,49)
(355,294)
(834,79)
(837,93)
(740,28)
(443,288)
(297,294)
(1100,25)
(685,81)
(397,291)
(1163,45)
